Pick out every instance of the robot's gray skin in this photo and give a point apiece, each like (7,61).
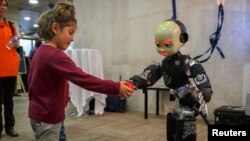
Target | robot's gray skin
(188,82)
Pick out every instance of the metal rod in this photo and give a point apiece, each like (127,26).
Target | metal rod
(174,9)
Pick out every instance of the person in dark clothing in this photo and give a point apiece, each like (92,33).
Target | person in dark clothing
(23,70)
(38,42)
(25,75)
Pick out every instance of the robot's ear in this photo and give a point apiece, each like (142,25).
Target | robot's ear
(184,36)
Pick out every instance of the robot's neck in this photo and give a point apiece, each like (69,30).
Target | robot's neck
(178,54)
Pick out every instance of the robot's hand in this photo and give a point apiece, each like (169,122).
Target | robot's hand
(207,94)
(188,97)
(148,78)
(139,82)
(207,97)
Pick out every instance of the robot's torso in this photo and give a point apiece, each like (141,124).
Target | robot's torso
(175,71)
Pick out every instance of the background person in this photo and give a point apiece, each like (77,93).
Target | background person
(9,62)
(38,42)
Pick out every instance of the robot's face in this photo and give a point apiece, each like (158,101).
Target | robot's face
(167,38)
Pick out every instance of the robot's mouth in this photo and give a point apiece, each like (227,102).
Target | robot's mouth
(164,54)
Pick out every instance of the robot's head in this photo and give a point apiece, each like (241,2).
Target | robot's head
(170,36)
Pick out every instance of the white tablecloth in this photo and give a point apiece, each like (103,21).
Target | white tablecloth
(90,61)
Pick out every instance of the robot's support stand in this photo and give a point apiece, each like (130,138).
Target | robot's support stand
(181,124)
(181,121)
(181,129)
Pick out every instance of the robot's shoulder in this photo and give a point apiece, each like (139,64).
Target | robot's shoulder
(192,62)
(186,58)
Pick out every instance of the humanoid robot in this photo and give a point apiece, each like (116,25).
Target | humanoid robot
(180,73)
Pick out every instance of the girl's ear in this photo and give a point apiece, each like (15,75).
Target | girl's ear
(55,27)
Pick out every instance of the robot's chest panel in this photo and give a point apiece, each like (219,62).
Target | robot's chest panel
(173,67)
(174,73)
(177,63)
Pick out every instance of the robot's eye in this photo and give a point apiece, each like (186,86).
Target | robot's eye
(167,45)
(158,45)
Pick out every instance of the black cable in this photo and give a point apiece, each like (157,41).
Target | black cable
(214,38)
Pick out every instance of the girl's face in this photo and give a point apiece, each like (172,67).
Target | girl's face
(3,9)
(64,36)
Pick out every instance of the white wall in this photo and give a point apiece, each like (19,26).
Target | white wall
(124,32)
(13,16)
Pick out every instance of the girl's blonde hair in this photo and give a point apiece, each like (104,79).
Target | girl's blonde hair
(62,13)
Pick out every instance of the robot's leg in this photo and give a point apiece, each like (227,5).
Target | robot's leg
(181,130)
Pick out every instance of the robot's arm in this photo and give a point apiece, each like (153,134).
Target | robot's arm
(148,78)
(200,79)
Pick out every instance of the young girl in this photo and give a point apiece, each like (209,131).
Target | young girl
(50,70)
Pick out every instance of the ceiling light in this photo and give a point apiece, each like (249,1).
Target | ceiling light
(26,18)
(33,1)
(35,25)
